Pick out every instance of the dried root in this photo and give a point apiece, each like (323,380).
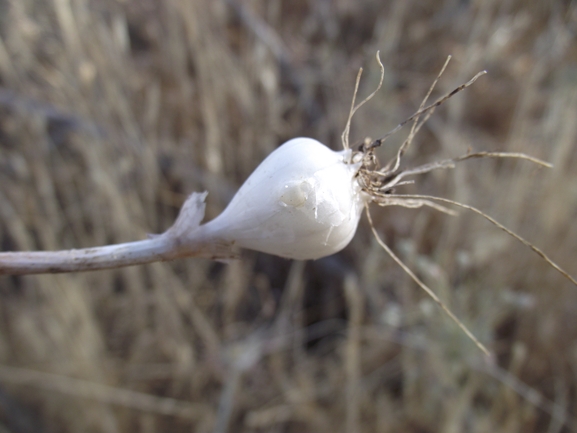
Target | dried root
(380,183)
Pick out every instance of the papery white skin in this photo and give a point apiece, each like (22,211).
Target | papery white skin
(302,202)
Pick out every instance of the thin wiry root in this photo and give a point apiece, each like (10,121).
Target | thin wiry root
(379,183)
(416,126)
(379,141)
(494,222)
(394,180)
(388,200)
(503,155)
(354,108)
(426,288)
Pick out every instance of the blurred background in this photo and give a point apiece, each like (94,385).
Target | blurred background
(113,111)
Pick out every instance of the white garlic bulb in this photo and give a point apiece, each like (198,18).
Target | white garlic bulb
(302,202)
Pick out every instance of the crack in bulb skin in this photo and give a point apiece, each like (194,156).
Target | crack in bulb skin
(302,202)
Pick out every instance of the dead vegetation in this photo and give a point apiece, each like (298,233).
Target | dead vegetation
(112,112)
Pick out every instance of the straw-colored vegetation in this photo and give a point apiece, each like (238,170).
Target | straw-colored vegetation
(112,112)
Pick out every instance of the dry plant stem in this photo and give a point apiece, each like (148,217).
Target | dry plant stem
(186,238)
(80,388)
(425,287)
(88,259)
(531,395)
(493,221)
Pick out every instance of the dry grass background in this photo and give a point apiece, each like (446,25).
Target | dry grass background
(111,112)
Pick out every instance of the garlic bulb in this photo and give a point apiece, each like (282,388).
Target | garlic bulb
(302,202)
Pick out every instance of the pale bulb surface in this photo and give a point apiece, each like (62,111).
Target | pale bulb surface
(301,202)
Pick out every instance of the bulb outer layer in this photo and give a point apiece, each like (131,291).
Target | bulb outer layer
(301,202)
